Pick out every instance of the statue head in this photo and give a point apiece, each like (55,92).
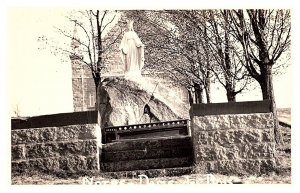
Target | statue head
(130,25)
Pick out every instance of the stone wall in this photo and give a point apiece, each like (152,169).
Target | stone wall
(72,148)
(234,143)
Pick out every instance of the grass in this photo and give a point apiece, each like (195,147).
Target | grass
(284,150)
(46,179)
(284,115)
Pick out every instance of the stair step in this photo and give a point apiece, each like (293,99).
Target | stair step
(145,164)
(151,173)
(142,144)
(113,156)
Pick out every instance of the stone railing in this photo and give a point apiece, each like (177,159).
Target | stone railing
(229,141)
(56,143)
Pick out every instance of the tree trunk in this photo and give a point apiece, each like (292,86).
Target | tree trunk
(191,99)
(266,84)
(230,85)
(198,93)
(231,97)
(230,93)
(97,81)
(207,88)
(97,72)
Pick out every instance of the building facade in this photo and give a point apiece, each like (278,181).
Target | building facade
(83,86)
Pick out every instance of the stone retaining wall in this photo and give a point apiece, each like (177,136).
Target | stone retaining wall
(56,149)
(228,143)
(234,143)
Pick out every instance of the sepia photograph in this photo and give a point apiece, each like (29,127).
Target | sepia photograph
(151,96)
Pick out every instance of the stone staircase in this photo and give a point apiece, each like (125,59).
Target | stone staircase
(152,156)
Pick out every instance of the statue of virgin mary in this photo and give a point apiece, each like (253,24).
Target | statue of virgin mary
(132,51)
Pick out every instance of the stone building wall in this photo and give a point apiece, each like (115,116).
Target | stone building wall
(234,143)
(83,86)
(72,148)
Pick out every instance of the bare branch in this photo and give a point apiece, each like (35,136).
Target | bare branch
(108,23)
(102,18)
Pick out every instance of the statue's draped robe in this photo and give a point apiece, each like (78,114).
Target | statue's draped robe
(132,52)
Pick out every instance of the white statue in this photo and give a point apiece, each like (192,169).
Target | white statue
(132,51)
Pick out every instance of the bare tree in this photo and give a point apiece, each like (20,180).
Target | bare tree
(173,47)
(91,46)
(226,61)
(264,36)
(193,47)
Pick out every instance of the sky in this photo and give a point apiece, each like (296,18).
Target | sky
(39,83)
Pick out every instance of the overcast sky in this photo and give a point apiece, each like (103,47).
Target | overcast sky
(39,83)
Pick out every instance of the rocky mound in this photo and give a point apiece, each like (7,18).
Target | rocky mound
(122,102)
